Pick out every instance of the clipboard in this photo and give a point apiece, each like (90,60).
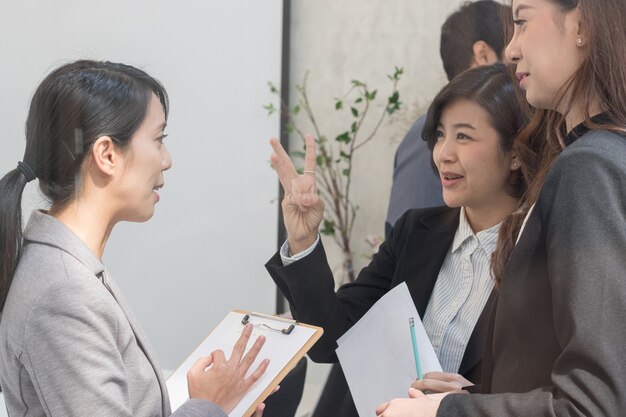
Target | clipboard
(287,341)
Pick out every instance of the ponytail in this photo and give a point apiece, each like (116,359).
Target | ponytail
(11,189)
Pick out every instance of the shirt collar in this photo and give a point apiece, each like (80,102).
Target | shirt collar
(581,128)
(486,239)
(46,230)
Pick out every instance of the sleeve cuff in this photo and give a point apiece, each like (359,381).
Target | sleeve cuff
(284,252)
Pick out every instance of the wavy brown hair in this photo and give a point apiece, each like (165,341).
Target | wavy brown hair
(600,80)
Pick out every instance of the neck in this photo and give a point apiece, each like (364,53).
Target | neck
(483,218)
(88,221)
(577,114)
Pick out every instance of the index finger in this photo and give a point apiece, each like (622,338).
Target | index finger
(283,165)
(242,342)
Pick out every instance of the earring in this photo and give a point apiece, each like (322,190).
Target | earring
(579,42)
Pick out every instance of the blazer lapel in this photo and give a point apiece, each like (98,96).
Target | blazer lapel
(477,341)
(426,249)
(142,339)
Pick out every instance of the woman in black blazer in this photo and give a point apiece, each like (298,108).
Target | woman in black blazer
(470,127)
(557,334)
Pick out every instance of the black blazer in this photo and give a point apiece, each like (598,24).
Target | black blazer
(414,253)
(558,339)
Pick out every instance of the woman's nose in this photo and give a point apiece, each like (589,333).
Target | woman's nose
(444,151)
(166,159)
(512,53)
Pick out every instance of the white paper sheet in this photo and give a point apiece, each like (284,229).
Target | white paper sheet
(278,348)
(376,354)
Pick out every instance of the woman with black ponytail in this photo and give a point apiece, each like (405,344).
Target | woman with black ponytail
(69,343)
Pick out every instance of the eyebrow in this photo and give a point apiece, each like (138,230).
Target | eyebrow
(465,125)
(520,8)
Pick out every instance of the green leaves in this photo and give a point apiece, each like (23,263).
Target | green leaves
(396,74)
(344,138)
(393,102)
(328,227)
(270,108)
(322,161)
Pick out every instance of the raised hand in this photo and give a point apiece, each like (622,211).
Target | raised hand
(441,382)
(303,210)
(222,381)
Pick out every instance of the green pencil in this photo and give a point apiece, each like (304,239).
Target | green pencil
(416,353)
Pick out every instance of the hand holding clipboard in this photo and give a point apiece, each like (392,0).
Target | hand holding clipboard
(286,341)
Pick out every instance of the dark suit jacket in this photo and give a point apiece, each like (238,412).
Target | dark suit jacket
(558,339)
(414,253)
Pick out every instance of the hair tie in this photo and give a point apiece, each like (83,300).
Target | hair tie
(27,171)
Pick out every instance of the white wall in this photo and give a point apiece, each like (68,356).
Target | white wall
(203,252)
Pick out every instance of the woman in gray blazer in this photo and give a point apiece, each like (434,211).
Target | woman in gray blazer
(69,343)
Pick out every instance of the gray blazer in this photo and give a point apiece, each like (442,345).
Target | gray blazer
(69,345)
(558,334)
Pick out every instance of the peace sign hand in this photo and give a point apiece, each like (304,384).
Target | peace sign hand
(303,210)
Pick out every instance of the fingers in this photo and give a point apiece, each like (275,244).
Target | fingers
(252,354)
(201,364)
(414,393)
(442,376)
(381,408)
(258,373)
(432,385)
(218,357)
(259,410)
(310,159)
(242,342)
(304,192)
(283,165)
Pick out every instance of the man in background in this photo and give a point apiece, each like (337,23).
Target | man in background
(473,35)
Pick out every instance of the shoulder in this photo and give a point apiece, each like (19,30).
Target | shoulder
(597,155)
(49,282)
(592,147)
(587,177)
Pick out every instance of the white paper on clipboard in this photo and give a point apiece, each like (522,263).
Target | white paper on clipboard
(279,348)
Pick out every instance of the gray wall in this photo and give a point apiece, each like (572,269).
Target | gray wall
(203,252)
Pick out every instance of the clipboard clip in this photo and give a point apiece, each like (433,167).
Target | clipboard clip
(287,330)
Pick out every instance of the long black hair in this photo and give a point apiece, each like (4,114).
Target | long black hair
(73,106)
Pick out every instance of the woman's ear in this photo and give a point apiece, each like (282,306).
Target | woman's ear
(105,155)
(515,165)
